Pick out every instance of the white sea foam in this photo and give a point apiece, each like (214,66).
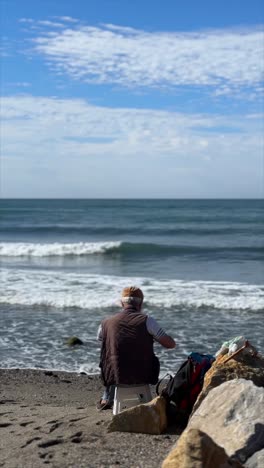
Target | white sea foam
(24,249)
(90,291)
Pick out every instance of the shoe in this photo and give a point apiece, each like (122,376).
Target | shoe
(104,406)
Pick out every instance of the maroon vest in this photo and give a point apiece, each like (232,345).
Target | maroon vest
(127,355)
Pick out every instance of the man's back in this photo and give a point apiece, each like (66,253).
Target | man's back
(127,355)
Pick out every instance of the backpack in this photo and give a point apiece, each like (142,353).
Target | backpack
(183,389)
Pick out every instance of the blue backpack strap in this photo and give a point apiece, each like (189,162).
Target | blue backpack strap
(205,359)
(197,357)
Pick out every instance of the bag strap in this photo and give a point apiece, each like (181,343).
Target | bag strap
(159,382)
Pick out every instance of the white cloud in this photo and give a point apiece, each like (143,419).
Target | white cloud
(73,148)
(52,24)
(39,25)
(26,20)
(67,19)
(57,119)
(221,59)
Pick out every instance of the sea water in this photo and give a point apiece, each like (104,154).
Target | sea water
(64,263)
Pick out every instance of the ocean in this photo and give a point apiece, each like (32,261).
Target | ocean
(200,264)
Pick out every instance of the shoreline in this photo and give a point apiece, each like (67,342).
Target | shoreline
(48,369)
(49,417)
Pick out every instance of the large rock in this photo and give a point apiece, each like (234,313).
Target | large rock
(148,418)
(243,366)
(233,415)
(256,461)
(195,449)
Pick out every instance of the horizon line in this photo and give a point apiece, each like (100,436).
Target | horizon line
(128,198)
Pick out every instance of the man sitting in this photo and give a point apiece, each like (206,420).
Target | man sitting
(127,355)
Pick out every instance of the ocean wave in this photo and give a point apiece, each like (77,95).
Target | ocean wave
(24,249)
(89,291)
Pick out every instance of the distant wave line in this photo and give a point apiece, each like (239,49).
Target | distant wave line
(20,249)
(130,230)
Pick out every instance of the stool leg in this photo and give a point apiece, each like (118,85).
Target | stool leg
(115,407)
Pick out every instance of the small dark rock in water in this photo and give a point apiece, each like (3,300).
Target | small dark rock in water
(73,341)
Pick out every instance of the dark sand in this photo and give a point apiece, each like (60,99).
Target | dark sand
(50,418)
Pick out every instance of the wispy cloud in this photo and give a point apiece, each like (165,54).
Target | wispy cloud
(218,59)
(52,24)
(37,24)
(64,137)
(77,118)
(36,120)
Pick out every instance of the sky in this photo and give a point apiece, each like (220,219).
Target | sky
(132,99)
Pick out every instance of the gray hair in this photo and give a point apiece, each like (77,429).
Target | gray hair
(131,300)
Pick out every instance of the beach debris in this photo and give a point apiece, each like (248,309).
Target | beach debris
(196,448)
(246,346)
(74,341)
(231,346)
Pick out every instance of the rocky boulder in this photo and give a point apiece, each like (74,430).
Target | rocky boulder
(148,418)
(256,461)
(195,449)
(243,366)
(233,415)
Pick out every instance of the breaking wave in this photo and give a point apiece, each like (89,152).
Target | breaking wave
(91,291)
(24,249)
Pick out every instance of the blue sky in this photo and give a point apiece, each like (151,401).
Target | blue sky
(113,98)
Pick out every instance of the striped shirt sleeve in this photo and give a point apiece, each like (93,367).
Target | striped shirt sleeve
(99,333)
(154,328)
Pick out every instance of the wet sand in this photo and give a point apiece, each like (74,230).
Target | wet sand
(50,418)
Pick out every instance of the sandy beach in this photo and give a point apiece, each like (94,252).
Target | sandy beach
(50,418)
